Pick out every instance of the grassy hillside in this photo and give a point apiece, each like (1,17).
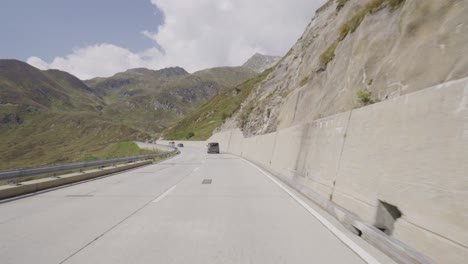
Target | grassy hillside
(118,150)
(199,124)
(227,76)
(49,117)
(153,100)
(22,84)
(56,137)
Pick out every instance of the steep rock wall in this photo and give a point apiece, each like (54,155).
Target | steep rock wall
(394,51)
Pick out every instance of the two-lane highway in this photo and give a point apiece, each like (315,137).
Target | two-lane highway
(194,208)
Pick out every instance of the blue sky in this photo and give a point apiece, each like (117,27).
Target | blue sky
(48,28)
(98,38)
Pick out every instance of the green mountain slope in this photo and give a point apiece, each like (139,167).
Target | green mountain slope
(200,124)
(51,137)
(227,76)
(153,100)
(51,116)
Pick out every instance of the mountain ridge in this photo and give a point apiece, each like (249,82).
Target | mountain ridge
(259,62)
(44,113)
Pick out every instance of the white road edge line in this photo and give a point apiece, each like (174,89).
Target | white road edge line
(160,197)
(339,234)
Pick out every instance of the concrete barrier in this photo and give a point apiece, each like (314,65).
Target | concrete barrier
(156,147)
(8,191)
(412,153)
(401,165)
(260,148)
(194,144)
(324,143)
(289,145)
(236,142)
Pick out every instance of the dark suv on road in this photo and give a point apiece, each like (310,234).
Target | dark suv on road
(213,147)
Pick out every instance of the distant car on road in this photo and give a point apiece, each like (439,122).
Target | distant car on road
(213,147)
(180,145)
(172,144)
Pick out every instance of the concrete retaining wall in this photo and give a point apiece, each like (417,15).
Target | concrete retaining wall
(410,152)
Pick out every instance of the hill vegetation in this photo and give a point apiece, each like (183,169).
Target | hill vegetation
(151,101)
(200,124)
(50,117)
(117,150)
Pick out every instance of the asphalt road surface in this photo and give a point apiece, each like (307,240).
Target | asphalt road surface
(194,208)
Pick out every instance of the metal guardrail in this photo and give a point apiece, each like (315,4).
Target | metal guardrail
(19,174)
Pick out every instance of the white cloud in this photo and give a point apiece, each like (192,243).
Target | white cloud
(38,63)
(207,33)
(199,34)
(100,60)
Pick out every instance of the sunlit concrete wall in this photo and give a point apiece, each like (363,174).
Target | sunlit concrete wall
(410,152)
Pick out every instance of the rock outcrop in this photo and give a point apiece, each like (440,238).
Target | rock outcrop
(384,48)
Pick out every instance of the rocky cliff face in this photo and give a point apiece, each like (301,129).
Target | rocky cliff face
(379,48)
